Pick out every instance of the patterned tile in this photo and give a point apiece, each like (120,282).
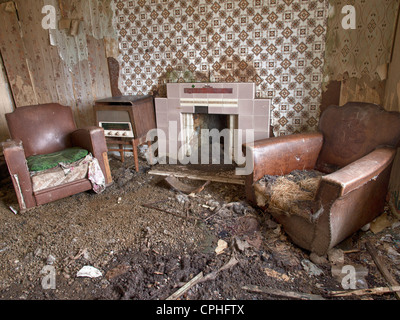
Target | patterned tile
(277,44)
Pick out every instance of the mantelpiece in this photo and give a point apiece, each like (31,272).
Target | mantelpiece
(236,100)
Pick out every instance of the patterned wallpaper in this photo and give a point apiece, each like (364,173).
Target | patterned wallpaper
(362,51)
(278,44)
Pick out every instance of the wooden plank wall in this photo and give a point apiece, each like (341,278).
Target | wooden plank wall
(6,103)
(52,65)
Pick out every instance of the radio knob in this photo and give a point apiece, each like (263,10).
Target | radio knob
(117,133)
(124,134)
(109,133)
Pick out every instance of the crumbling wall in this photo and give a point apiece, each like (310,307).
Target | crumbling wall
(359,58)
(65,64)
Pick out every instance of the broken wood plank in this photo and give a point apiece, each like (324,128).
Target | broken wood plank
(240,180)
(364,292)
(186,287)
(283,294)
(15,57)
(382,268)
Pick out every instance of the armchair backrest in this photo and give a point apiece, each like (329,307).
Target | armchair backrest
(42,128)
(354,130)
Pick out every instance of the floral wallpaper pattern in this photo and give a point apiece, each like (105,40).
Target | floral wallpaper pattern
(278,44)
(363,50)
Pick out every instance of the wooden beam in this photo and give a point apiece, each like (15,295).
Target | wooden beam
(211,178)
(281,293)
(186,287)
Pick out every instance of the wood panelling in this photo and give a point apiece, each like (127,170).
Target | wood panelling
(14,54)
(6,103)
(52,65)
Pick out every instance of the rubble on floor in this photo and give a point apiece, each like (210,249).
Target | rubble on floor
(142,239)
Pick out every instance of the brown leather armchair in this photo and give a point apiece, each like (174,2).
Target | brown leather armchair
(45,129)
(354,148)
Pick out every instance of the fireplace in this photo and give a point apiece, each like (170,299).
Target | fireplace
(194,112)
(209,137)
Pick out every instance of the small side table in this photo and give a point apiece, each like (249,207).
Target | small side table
(135,143)
(115,113)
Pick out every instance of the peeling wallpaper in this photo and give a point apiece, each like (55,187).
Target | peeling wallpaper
(278,44)
(365,50)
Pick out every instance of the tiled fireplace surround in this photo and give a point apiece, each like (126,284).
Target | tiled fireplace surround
(220,98)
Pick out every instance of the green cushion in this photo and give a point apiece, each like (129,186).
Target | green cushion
(47,161)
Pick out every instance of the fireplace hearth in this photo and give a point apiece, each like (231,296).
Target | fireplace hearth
(225,113)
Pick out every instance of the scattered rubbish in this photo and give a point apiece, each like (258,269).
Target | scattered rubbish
(311,268)
(275,274)
(90,272)
(13,210)
(381,223)
(241,244)
(177,185)
(187,217)
(283,253)
(82,253)
(186,287)
(117,271)
(222,245)
(393,255)
(281,293)
(212,276)
(318,259)
(119,200)
(182,198)
(366,227)
(339,272)
(382,267)
(363,292)
(4,249)
(50,260)
(336,256)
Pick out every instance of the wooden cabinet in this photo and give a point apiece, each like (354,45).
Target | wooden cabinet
(126,121)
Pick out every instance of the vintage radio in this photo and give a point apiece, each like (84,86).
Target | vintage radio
(125,116)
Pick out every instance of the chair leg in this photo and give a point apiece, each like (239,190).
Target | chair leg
(135,154)
(121,152)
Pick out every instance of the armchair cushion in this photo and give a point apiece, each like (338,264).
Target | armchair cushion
(60,175)
(48,161)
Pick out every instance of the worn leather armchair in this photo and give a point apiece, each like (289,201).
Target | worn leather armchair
(45,129)
(354,148)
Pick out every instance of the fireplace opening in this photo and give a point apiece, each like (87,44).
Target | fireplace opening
(209,138)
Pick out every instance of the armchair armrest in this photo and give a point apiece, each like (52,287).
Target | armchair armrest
(281,155)
(14,156)
(361,171)
(93,139)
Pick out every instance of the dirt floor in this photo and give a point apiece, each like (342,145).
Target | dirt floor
(145,253)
